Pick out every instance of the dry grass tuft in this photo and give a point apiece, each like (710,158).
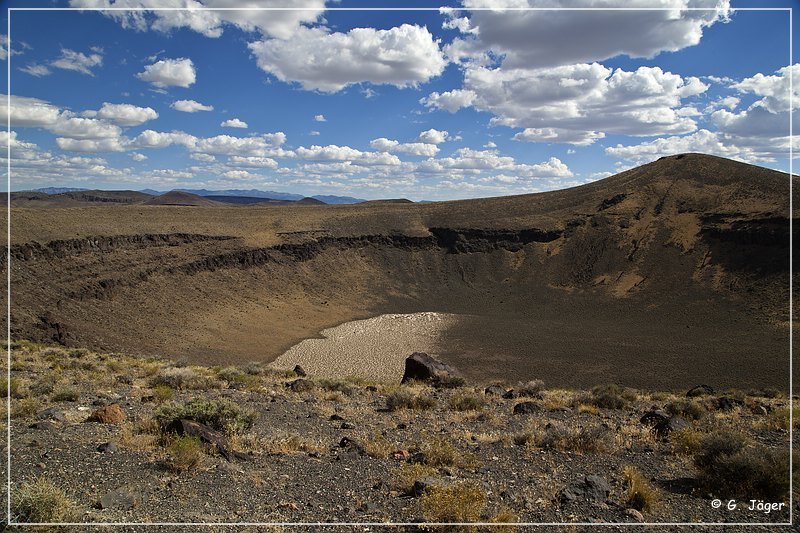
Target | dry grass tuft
(405,476)
(405,399)
(461,502)
(41,501)
(640,494)
(290,444)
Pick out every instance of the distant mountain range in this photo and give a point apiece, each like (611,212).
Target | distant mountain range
(250,193)
(58,190)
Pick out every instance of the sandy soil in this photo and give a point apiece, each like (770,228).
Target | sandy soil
(374,349)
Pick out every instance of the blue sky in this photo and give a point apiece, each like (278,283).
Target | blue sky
(416,104)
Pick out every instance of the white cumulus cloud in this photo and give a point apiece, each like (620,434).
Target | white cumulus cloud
(320,60)
(233,123)
(169,73)
(190,106)
(126,114)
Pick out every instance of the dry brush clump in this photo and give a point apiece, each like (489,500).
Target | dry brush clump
(466,401)
(42,501)
(182,378)
(730,467)
(460,502)
(559,436)
(640,494)
(405,399)
(284,443)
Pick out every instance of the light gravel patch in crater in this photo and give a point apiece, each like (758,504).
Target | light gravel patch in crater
(374,349)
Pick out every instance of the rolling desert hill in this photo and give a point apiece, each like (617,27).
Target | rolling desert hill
(664,276)
(79,198)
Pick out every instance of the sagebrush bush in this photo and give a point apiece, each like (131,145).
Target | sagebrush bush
(640,495)
(731,469)
(335,385)
(685,441)
(405,399)
(460,502)
(180,378)
(608,397)
(41,501)
(531,388)
(222,415)
(66,394)
(557,436)
(686,408)
(467,402)
(779,418)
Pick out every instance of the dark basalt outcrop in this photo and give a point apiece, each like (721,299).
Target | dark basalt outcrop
(71,247)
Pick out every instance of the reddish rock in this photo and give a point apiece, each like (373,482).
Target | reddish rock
(110,414)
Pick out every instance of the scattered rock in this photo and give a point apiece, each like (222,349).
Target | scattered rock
(110,414)
(401,454)
(700,390)
(673,423)
(527,408)
(352,445)
(52,413)
(591,488)
(509,394)
(422,367)
(495,390)
(107,447)
(123,498)
(654,417)
(301,385)
(44,425)
(368,507)
(418,458)
(636,515)
(424,484)
(336,417)
(299,371)
(348,425)
(725,403)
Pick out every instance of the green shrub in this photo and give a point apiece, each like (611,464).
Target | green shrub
(222,415)
(41,501)
(162,393)
(185,452)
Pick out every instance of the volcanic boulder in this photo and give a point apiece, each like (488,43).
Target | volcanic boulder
(422,367)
